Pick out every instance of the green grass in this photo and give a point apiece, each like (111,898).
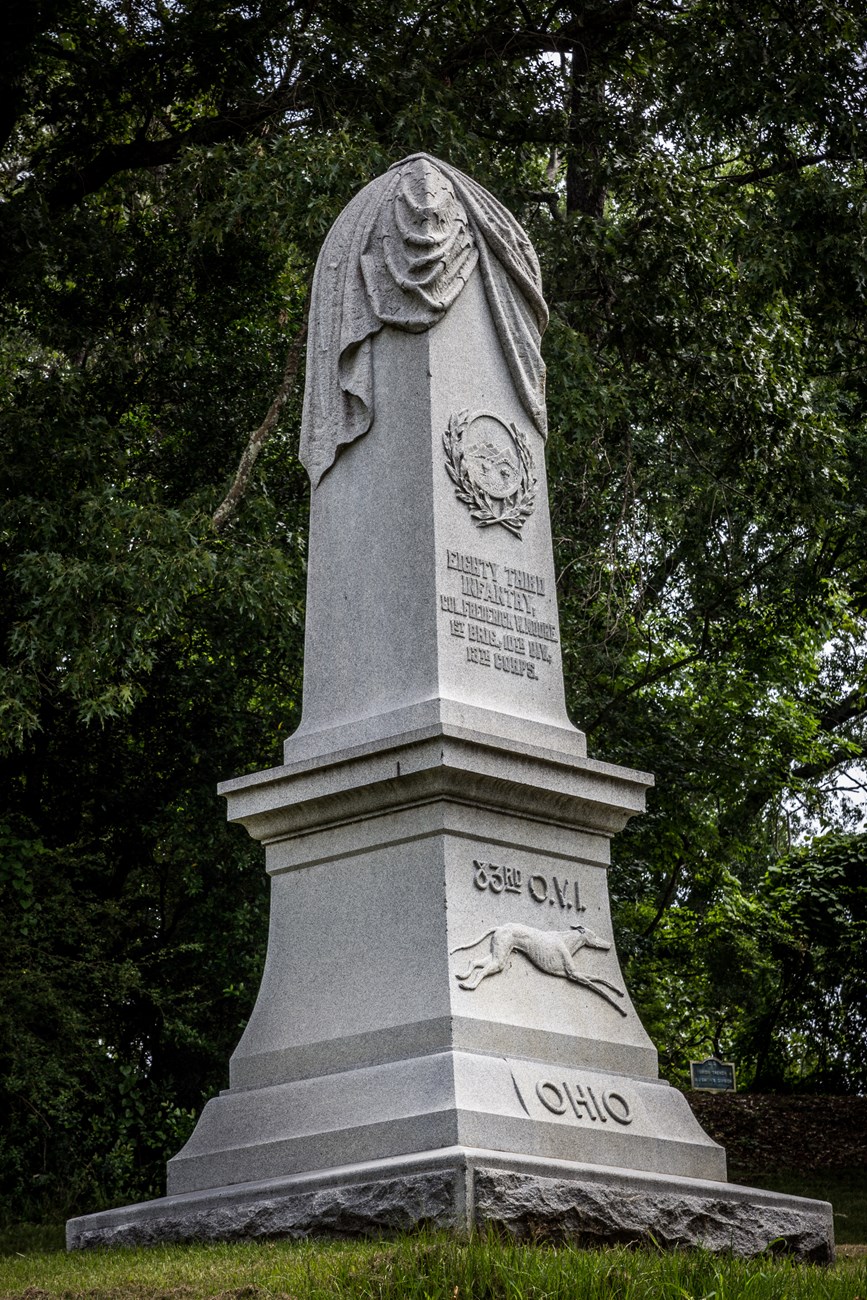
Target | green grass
(846,1189)
(424,1267)
(25,1238)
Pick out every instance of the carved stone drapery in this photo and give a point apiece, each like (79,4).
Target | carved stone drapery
(399,255)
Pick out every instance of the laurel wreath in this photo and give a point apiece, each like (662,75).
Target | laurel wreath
(514,510)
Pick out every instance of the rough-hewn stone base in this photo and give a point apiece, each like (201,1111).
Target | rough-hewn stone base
(461,1189)
(669,1217)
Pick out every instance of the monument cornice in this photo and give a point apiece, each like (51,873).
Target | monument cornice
(449,763)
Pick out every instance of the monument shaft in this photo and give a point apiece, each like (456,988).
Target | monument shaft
(442,1033)
(410,599)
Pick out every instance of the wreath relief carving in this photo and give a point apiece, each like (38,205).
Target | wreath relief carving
(491,466)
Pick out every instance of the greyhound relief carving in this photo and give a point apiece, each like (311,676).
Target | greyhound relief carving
(550,951)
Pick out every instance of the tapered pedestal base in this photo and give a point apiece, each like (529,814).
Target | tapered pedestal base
(443,1035)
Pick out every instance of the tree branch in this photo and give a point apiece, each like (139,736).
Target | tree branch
(548,197)
(650,592)
(648,678)
(809,771)
(666,898)
(229,505)
(501,42)
(133,154)
(776,169)
(853,705)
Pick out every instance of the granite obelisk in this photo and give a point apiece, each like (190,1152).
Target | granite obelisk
(442,1032)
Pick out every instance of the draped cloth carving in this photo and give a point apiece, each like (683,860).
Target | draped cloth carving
(399,254)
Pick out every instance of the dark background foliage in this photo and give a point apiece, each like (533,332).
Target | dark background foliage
(692,175)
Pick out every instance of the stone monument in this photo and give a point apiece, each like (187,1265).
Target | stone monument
(442,1034)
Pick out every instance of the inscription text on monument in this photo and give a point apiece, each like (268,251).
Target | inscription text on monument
(500,612)
(542,888)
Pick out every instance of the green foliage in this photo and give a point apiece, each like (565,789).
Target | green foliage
(145,658)
(693,179)
(812,1011)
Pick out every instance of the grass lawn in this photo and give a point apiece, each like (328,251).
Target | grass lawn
(422,1267)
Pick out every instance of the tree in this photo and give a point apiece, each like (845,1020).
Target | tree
(811,1015)
(692,177)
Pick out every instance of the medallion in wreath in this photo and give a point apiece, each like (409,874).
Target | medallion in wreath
(491,466)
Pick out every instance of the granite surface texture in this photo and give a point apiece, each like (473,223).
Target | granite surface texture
(464,1190)
(426,572)
(671,1218)
(452,1098)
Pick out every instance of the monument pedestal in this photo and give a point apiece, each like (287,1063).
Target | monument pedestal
(376,1089)
(422,991)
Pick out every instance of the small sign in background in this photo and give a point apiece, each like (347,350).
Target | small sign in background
(713,1075)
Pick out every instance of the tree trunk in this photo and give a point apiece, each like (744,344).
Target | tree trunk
(584,190)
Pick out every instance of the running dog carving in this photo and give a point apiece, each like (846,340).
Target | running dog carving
(551,951)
